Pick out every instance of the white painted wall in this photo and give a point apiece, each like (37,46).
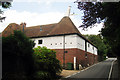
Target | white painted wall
(56,42)
(80,43)
(71,41)
(95,51)
(91,49)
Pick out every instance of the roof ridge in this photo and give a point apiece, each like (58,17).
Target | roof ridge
(44,25)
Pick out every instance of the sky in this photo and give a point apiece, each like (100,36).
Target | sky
(39,12)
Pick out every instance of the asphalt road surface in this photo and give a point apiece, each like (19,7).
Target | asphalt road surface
(99,71)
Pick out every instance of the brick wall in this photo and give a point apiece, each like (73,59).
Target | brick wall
(79,54)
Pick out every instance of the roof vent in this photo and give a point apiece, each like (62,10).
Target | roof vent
(40,28)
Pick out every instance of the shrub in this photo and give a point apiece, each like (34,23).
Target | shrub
(21,62)
(47,66)
(17,58)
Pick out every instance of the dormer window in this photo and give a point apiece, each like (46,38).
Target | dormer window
(40,41)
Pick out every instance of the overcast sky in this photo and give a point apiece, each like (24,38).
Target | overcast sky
(38,12)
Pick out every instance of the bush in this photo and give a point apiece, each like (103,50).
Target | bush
(17,58)
(21,62)
(47,66)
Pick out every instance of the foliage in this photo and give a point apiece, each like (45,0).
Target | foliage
(109,14)
(4,5)
(99,43)
(17,59)
(92,13)
(47,66)
(26,63)
(112,27)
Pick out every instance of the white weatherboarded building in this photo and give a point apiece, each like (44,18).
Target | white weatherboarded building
(63,37)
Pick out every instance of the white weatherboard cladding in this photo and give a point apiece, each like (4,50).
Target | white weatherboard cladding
(56,42)
(80,43)
(95,51)
(89,48)
(71,41)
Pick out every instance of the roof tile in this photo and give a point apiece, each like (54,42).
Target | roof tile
(65,26)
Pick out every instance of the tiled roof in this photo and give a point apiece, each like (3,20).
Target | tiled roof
(65,26)
(10,28)
(34,31)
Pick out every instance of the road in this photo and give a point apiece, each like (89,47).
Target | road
(99,71)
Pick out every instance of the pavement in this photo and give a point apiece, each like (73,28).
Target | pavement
(105,70)
(66,73)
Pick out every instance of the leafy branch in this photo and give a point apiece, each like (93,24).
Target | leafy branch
(4,5)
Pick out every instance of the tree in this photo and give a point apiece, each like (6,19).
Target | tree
(21,61)
(17,57)
(4,5)
(92,13)
(109,14)
(99,43)
(47,66)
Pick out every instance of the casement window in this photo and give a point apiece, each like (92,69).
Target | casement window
(40,41)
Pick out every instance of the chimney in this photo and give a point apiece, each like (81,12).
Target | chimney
(23,25)
(68,12)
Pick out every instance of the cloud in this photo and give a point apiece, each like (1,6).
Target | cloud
(47,2)
(95,30)
(41,1)
(31,19)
